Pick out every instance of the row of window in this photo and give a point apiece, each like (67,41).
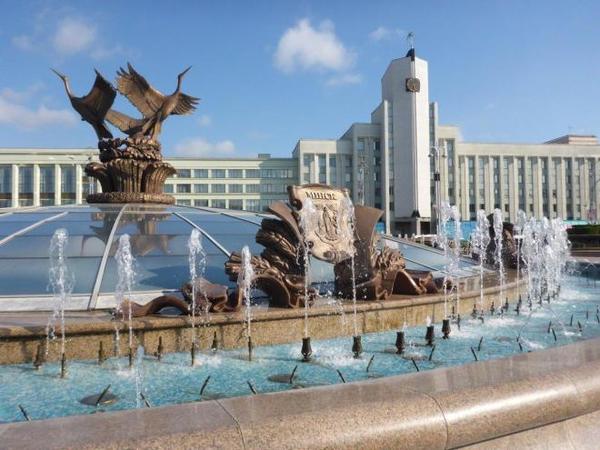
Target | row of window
(235,204)
(234,173)
(47,180)
(264,188)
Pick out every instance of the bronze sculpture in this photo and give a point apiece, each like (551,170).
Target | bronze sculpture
(154,106)
(93,107)
(130,169)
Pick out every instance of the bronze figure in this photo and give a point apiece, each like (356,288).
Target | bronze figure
(130,169)
(154,106)
(93,107)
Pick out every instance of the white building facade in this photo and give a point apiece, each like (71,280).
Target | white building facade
(390,163)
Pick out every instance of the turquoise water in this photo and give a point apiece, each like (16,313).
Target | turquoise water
(43,394)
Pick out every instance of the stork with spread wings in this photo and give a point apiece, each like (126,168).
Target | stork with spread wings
(154,106)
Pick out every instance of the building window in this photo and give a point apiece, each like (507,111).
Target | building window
(217,188)
(236,173)
(218,173)
(253,205)
(201,173)
(5,186)
(184,202)
(201,188)
(218,203)
(67,184)
(183,173)
(236,204)
(252,173)
(236,189)
(252,188)
(201,202)
(25,186)
(168,189)
(184,188)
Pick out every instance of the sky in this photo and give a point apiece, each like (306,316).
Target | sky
(270,73)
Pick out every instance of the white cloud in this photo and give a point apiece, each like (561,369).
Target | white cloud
(200,147)
(347,78)
(73,36)
(204,120)
(382,33)
(102,52)
(23,42)
(14,113)
(13,95)
(304,47)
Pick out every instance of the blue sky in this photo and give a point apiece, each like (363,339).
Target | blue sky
(271,72)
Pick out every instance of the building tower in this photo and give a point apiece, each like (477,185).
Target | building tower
(406,146)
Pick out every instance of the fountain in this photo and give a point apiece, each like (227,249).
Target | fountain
(480,239)
(244,282)
(309,222)
(442,242)
(126,279)
(61,281)
(518,230)
(138,370)
(347,237)
(498,255)
(197,265)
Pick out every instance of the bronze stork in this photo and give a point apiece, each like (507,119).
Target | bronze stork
(131,126)
(93,107)
(154,106)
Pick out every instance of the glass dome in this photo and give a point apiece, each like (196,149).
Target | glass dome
(159,236)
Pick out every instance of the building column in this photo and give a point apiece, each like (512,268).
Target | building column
(489,183)
(596,189)
(501,186)
(15,186)
(550,181)
(385,194)
(476,183)
(585,199)
(574,178)
(538,197)
(57,184)
(464,182)
(36,185)
(561,190)
(78,185)
(513,198)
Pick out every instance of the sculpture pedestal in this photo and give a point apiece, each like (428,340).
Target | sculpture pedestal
(130,171)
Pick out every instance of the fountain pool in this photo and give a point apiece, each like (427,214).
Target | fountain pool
(43,394)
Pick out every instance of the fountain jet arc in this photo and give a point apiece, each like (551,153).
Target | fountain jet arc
(61,281)
(244,282)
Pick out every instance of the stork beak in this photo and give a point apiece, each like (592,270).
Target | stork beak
(185,71)
(60,75)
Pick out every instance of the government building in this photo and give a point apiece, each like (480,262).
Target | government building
(401,161)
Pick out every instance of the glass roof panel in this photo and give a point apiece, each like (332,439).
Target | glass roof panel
(29,276)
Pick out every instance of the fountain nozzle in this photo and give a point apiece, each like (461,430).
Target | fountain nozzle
(39,357)
(430,335)
(492,308)
(250,348)
(101,353)
(356,346)
(159,349)
(63,365)
(446,325)
(474,312)
(215,342)
(306,349)
(399,342)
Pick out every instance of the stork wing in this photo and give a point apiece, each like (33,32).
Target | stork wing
(101,96)
(186,104)
(123,122)
(137,90)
